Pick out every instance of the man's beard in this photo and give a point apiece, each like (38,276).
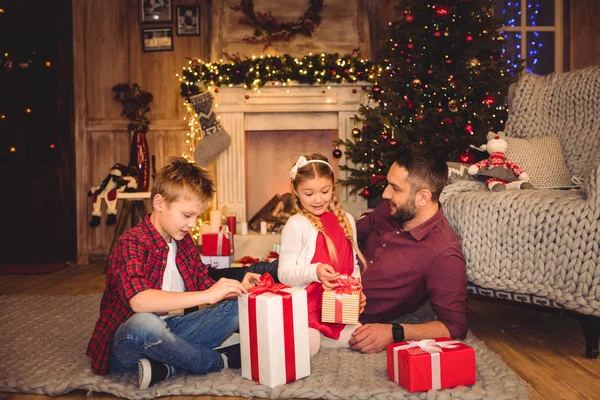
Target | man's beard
(405,213)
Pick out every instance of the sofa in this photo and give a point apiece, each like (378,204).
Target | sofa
(541,246)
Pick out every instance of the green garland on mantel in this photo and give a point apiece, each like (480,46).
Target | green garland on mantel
(256,72)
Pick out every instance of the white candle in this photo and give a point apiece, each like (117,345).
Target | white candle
(263,228)
(244,228)
(215,220)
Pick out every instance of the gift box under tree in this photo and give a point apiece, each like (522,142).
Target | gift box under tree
(422,365)
(274,333)
(217,244)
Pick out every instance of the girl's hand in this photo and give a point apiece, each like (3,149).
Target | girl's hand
(363,302)
(326,274)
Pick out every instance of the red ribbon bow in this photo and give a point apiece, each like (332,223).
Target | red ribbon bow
(248,260)
(268,285)
(346,284)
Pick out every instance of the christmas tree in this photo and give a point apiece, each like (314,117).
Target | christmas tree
(444,85)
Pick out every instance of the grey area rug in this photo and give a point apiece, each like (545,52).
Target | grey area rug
(44,338)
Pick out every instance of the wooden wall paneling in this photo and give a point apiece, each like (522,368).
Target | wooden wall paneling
(106,61)
(82,179)
(585,33)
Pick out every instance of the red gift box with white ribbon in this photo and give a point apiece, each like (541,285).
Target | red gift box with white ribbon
(274,333)
(422,365)
(217,244)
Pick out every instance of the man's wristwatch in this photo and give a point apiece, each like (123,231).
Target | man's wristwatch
(398,333)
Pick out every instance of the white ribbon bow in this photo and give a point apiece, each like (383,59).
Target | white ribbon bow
(302,161)
(434,349)
(429,345)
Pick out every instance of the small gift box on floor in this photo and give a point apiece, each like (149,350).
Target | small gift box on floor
(341,305)
(422,365)
(217,262)
(217,244)
(245,261)
(274,333)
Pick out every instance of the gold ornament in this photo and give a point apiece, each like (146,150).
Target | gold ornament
(416,82)
(452,106)
(473,62)
(420,117)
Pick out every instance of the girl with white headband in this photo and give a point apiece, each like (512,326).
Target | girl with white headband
(318,243)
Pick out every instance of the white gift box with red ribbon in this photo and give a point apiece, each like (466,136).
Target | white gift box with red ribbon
(274,335)
(428,364)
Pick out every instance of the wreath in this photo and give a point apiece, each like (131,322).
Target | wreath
(266,28)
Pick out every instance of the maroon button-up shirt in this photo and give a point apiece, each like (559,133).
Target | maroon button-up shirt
(407,267)
(138,263)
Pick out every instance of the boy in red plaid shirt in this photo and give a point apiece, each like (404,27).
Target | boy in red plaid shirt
(154,274)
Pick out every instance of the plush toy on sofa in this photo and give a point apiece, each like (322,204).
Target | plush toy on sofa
(500,173)
(120,178)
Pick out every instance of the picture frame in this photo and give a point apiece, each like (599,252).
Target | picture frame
(157,39)
(156,11)
(188,20)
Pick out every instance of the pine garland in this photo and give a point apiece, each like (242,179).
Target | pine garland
(258,71)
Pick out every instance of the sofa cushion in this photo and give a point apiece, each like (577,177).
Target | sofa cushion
(542,159)
(458,172)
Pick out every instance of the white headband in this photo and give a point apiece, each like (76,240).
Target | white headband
(302,161)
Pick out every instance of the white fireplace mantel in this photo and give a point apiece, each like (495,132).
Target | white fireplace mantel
(278,107)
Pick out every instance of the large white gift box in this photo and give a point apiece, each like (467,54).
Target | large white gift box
(274,334)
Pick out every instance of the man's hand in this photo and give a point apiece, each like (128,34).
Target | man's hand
(371,338)
(225,289)
(363,302)
(326,275)
(250,280)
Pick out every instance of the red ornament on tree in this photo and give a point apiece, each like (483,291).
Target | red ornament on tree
(437,33)
(469,128)
(216,90)
(466,158)
(488,100)
(409,17)
(247,96)
(410,45)
(442,10)
(385,136)
(392,142)
(365,193)
(353,90)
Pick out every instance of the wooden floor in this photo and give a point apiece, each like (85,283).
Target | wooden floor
(544,347)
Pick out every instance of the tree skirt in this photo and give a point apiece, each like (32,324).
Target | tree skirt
(44,339)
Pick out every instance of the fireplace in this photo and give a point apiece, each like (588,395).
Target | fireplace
(267,117)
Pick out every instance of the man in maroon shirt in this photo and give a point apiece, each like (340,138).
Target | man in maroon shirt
(414,259)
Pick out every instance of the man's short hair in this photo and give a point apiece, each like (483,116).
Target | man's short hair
(180,178)
(426,168)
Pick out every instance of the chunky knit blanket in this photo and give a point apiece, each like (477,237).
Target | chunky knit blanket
(540,242)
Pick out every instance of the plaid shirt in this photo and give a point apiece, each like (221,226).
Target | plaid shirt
(138,263)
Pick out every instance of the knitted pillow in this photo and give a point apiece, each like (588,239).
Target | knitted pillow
(542,159)
(458,172)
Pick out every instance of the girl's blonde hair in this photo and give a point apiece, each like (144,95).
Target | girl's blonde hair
(314,170)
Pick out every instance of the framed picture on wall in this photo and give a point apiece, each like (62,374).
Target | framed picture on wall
(156,10)
(188,20)
(157,39)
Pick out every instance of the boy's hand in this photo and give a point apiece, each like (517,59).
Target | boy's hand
(250,280)
(363,302)
(326,274)
(226,289)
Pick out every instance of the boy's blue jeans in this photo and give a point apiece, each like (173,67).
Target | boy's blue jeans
(185,342)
